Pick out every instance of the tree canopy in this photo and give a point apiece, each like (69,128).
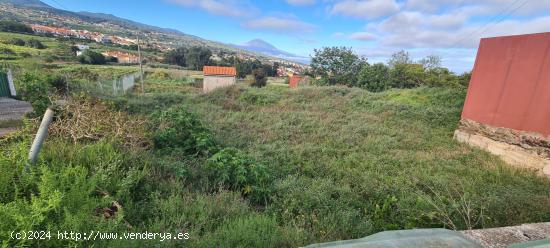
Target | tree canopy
(337,65)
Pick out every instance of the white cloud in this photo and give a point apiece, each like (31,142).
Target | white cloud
(338,35)
(465,37)
(219,7)
(363,36)
(368,9)
(279,24)
(300,2)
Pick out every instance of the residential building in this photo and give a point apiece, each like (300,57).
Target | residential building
(218,76)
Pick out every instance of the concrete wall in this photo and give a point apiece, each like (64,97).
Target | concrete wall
(212,82)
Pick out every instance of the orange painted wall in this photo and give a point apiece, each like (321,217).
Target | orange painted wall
(510,85)
(294,81)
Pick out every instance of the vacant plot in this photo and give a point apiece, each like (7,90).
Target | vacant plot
(349,163)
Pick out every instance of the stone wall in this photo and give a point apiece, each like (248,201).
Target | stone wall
(517,148)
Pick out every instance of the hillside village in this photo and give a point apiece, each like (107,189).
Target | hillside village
(57,25)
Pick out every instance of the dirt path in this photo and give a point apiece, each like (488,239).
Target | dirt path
(11,109)
(11,112)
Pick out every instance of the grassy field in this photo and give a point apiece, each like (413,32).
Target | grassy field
(350,163)
(249,167)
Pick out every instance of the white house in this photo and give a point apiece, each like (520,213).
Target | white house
(218,76)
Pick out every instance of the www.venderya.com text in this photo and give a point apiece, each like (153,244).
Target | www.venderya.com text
(96,235)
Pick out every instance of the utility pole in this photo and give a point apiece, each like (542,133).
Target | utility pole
(140,66)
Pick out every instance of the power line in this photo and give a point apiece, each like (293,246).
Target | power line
(502,19)
(485,27)
(59,5)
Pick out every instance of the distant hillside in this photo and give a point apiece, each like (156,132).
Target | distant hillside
(27,3)
(126,22)
(32,11)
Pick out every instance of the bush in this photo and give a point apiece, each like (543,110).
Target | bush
(234,170)
(374,78)
(91,57)
(34,89)
(15,27)
(17,42)
(35,44)
(72,187)
(260,80)
(180,130)
(407,75)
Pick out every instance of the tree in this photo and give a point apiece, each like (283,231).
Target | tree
(374,78)
(176,56)
(34,43)
(14,27)
(400,58)
(464,78)
(260,80)
(246,67)
(197,57)
(91,57)
(17,42)
(337,65)
(431,62)
(438,76)
(407,75)
(269,70)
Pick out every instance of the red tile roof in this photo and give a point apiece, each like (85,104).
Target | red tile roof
(219,70)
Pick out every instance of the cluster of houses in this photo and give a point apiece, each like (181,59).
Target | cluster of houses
(81,34)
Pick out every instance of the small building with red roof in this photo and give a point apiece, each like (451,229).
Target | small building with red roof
(218,76)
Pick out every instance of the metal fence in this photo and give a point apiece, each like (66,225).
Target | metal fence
(118,86)
(4,85)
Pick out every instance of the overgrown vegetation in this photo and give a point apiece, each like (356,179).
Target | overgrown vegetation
(339,66)
(251,167)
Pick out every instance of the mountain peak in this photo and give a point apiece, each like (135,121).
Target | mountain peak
(259,43)
(261,46)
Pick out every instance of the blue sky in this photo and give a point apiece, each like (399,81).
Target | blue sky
(450,29)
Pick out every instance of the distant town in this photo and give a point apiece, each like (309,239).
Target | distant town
(285,68)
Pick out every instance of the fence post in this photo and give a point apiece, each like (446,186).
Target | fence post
(40,135)
(10,83)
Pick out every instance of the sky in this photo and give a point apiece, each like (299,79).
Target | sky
(375,29)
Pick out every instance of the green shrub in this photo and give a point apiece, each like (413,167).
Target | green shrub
(180,130)
(17,42)
(34,43)
(34,89)
(70,188)
(407,75)
(91,57)
(374,78)
(260,80)
(16,27)
(232,169)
